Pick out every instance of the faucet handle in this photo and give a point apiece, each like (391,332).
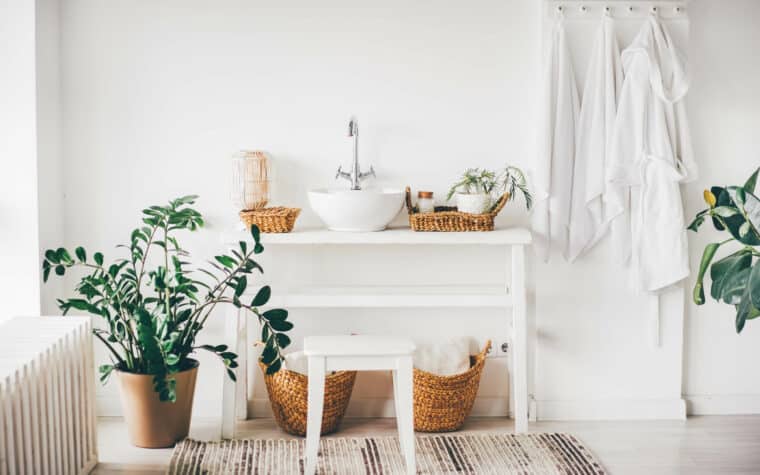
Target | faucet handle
(371,172)
(341,174)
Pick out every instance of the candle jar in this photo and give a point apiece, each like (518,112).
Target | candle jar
(251,172)
(425,202)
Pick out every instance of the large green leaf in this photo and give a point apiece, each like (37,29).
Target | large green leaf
(744,200)
(724,270)
(707,257)
(754,285)
(749,186)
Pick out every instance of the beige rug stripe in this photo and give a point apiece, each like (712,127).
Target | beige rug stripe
(477,454)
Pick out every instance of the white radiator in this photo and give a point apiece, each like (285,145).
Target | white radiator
(47,396)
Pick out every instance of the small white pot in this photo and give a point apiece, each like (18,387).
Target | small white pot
(475,203)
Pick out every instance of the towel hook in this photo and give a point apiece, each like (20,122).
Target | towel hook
(560,8)
(583,9)
(677,10)
(630,8)
(653,10)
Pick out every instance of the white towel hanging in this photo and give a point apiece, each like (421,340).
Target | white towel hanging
(594,202)
(556,148)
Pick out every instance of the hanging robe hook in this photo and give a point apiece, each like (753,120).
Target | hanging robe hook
(653,10)
(607,10)
(560,8)
(630,8)
(583,9)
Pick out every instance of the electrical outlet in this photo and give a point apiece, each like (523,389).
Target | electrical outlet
(499,349)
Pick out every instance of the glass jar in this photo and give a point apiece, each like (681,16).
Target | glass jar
(425,202)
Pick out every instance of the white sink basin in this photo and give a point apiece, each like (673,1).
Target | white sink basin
(356,210)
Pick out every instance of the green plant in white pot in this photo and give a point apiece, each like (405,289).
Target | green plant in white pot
(479,189)
(154,307)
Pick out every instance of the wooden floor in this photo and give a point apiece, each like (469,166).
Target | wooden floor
(700,445)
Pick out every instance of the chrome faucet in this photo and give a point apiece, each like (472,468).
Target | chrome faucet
(356,176)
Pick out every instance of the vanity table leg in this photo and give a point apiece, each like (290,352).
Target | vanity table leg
(235,330)
(519,328)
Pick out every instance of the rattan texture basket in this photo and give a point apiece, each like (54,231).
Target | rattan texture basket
(449,219)
(442,403)
(288,398)
(271,220)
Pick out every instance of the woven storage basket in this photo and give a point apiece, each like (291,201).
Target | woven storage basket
(271,220)
(448,219)
(288,398)
(442,403)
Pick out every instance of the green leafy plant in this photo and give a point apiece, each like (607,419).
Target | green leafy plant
(493,183)
(155,312)
(736,277)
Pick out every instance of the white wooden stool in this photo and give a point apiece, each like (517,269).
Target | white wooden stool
(359,352)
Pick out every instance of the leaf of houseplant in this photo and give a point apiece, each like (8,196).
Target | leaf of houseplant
(262,296)
(749,205)
(275,314)
(749,186)
(721,199)
(754,284)
(723,269)
(734,286)
(698,295)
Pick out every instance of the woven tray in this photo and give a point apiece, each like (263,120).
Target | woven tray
(288,397)
(442,403)
(449,219)
(271,220)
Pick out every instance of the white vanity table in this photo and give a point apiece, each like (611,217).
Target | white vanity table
(511,297)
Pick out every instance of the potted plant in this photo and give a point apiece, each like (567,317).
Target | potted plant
(154,306)
(734,210)
(478,189)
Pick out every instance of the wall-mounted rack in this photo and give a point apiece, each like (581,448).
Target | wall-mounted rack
(634,9)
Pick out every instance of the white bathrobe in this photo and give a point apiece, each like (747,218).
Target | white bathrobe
(651,153)
(553,169)
(595,202)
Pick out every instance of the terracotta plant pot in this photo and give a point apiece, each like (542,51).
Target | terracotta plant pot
(152,423)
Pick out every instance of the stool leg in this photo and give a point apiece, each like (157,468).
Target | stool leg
(405,418)
(315,402)
(397,409)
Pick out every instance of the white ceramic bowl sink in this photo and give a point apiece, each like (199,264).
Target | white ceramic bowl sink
(356,210)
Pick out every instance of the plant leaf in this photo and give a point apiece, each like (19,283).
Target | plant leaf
(749,186)
(754,284)
(98,258)
(698,294)
(276,314)
(281,325)
(262,296)
(241,285)
(723,270)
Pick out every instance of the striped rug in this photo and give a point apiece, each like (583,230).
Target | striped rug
(466,454)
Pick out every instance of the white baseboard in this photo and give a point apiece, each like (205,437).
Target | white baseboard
(723,404)
(382,407)
(611,409)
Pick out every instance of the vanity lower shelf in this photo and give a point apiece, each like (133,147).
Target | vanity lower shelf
(394,297)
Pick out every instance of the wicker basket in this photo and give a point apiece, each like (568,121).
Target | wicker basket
(442,403)
(288,398)
(448,219)
(271,220)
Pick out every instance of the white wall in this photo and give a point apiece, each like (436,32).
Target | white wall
(156,97)
(49,166)
(19,279)
(724,106)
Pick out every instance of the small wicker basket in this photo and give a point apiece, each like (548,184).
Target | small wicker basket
(288,397)
(271,220)
(449,219)
(442,403)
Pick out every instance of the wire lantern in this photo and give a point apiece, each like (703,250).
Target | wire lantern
(251,175)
